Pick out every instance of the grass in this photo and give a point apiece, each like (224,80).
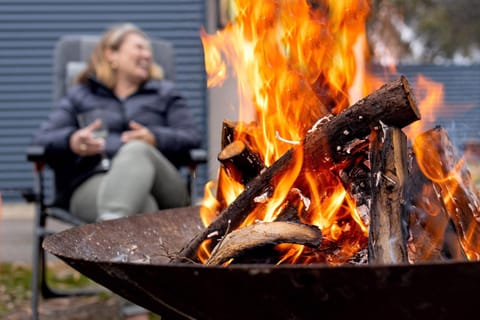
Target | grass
(15,286)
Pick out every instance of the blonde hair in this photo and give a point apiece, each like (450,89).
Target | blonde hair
(112,39)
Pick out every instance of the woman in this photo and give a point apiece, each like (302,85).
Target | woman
(150,130)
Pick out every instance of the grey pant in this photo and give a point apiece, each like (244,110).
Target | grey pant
(140,180)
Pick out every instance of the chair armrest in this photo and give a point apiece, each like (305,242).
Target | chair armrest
(35,153)
(198,155)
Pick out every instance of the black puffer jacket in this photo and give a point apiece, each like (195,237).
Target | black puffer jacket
(156,105)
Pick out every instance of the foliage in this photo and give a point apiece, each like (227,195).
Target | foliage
(444,27)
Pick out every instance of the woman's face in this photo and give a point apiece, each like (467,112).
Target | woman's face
(132,60)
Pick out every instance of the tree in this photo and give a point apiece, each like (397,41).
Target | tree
(426,31)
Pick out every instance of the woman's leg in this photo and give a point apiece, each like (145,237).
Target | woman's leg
(139,171)
(83,202)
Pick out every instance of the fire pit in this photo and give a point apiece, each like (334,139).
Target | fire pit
(127,256)
(325,174)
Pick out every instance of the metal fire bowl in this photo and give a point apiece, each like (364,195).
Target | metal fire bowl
(127,257)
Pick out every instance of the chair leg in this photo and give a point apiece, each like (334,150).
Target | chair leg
(191,184)
(45,289)
(39,279)
(37,266)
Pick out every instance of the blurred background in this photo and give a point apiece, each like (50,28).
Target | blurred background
(28,32)
(436,38)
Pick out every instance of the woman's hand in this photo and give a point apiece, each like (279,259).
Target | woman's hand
(138,132)
(83,142)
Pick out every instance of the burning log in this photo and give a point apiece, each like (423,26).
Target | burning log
(262,234)
(227,137)
(356,176)
(393,104)
(387,233)
(432,234)
(228,132)
(440,162)
(240,162)
(294,204)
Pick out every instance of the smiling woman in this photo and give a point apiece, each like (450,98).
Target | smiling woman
(123,58)
(147,127)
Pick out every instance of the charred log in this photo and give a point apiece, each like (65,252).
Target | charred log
(432,236)
(387,241)
(240,162)
(228,132)
(237,131)
(356,176)
(393,104)
(441,163)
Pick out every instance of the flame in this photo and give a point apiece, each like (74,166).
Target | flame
(294,64)
(430,97)
(284,55)
(455,187)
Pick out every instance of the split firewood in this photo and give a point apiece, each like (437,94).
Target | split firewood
(441,163)
(227,137)
(452,247)
(290,212)
(240,162)
(387,240)
(432,235)
(228,132)
(235,155)
(356,176)
(243,240)
(293,207)
(393,104)
(234,130)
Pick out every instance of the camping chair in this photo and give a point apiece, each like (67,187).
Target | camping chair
(70,56)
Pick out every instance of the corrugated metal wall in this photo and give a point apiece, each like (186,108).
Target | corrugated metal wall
(459,112)
(28,31)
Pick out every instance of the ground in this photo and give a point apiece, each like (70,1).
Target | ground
(15,295)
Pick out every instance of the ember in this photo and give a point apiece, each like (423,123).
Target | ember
(315,155)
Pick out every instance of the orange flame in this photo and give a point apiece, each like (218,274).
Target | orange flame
(430,96)
(281,52)
(448,171)
(294,64)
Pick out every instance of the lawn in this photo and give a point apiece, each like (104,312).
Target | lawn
(15,293)
(15,283)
